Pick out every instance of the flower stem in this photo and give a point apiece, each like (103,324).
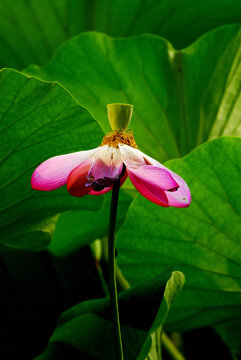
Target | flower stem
(112,272)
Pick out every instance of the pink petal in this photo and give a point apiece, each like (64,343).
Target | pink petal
(77,179)
(179,198)
(53,173)
(151,175)
(154,162)
(153,194)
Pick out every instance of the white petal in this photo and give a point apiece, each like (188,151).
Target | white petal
(131,156)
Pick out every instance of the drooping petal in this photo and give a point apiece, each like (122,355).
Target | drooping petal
(178,196)
(154,162)
(76,182)
(53,173)
(153,194)
(151,175)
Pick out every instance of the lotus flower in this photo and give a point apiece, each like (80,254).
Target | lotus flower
(94,171)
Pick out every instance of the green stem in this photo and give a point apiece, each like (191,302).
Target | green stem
(112,272)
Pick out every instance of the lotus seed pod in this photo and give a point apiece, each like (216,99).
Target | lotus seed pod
(119,116)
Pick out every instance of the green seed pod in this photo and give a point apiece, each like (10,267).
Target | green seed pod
(119,116)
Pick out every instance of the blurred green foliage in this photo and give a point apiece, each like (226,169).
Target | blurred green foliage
(31,30)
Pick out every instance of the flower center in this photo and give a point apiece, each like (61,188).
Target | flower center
(114,138)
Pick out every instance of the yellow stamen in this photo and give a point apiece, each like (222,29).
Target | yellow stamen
(114,138)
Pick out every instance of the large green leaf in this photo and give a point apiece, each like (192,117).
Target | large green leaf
(203,241)
(87,326)
(75,229)
(37,120)
(181,98)
(30,30)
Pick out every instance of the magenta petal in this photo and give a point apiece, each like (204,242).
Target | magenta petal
(53,173)
(152,193)
(153,183)
(179,198)
(151,175)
